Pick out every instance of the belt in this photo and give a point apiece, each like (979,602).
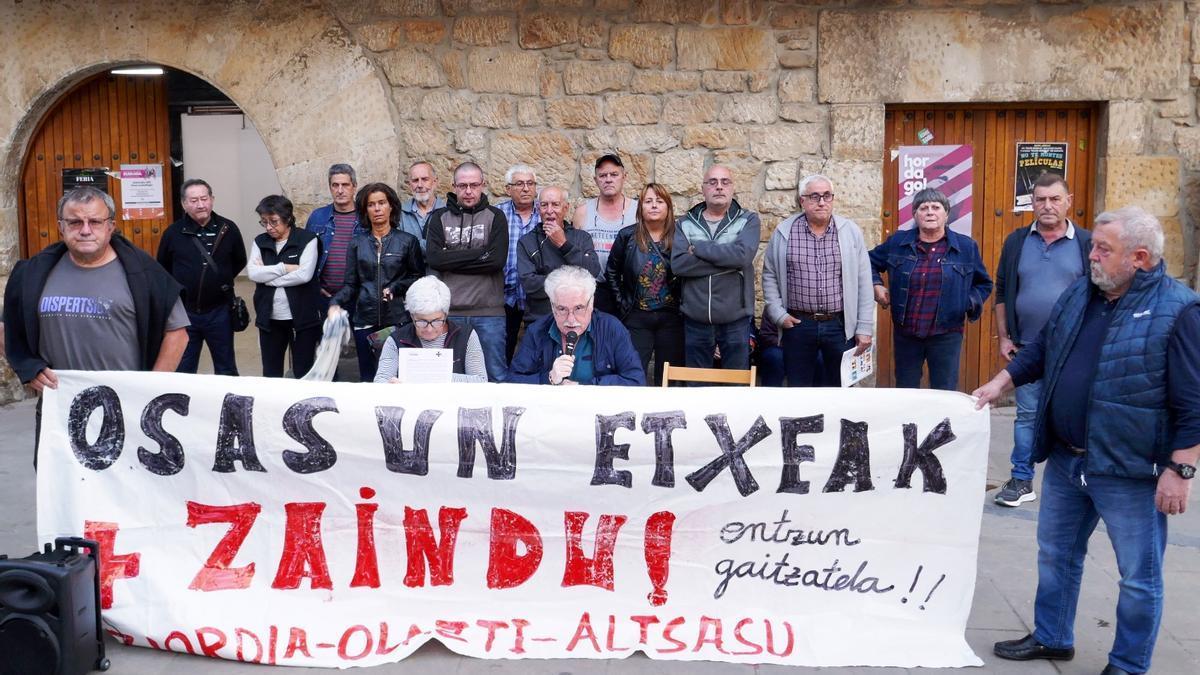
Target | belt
(815,316)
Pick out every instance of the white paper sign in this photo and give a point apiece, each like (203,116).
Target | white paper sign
(425,366)
(142,191)
(855,369)
(336,524)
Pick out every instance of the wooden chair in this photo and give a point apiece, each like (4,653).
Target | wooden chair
(711,375)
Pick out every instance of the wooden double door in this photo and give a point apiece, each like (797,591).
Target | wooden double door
(992,131)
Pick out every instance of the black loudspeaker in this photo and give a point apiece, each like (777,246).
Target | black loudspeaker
(50,611)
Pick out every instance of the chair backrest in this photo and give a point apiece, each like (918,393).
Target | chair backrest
(711,375)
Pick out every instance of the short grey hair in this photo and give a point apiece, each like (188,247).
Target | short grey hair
(566,194)
(931,195)
(802,188)
(516,169)
(428,295)
(84,195)
(1139,229)
(343,169)
(570,276)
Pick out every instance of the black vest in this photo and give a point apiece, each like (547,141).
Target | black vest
(457,337)
(304,300)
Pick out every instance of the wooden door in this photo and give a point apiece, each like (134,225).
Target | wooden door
(993,130)
(105,122)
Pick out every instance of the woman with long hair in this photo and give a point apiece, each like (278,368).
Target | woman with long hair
(639,276)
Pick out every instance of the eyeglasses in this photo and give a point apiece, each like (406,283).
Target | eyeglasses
(468,186)
(271,223)
(77,223)
(564,312)
(523,184)
(714,182)
(422,323)
(818,197)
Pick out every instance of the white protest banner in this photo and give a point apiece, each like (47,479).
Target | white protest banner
(335,524)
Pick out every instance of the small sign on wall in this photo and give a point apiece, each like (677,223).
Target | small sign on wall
(74,178)
(142,191)
(945,167)
(1033,160)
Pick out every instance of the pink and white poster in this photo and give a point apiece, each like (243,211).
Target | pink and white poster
(942,167)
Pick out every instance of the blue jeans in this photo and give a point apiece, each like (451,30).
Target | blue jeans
(215,328)
(941,352)
(1071,506)
(810,342)
(492,332)
(1022,452)
(770,366)
(368,358)
(733,338)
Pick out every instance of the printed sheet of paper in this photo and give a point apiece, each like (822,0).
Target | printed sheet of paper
(425,366)
(857,368)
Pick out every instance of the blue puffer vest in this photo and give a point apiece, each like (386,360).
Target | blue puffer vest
(1128,424)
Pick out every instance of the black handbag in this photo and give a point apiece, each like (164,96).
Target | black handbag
(239,315)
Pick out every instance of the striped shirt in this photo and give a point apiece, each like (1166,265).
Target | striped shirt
(814,269)
(514,293)
(333,276)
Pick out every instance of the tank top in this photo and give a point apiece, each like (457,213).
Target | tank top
(603,231)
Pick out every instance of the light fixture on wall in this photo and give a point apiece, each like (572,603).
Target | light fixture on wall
(138,70)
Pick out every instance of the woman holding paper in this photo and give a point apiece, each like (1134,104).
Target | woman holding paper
(428,303)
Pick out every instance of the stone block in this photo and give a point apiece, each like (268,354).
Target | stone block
(645,139)
(540,30)
(564,4)
(673,12)
(593,32)
(379,36)
(424,31)
(724,81)
(857,131)
(468,7)
(694,109)
(1126,127)
(483,30)
(858,184)
(1182,106)
(600,139)
(615,6)
(798,86)
(408,67)
(750,109)
(1149,182)
(781,176)
(446,106)
(802,112)
(594,78)
(735,48)
(793,59)
(758,81)
(742,12)
(530,113)
(1173,246)
(643,45)
(664,81)
(780,204)
(550,83)
(494,112)
(1116,51)
(425,138)
(632,109)
(573,112)
(551,152)
(790,18)
(714,136)
(680,171)
(469,140)
(504,72)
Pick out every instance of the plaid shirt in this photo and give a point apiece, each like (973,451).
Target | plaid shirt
(514,294)
(924,291)
(814,269)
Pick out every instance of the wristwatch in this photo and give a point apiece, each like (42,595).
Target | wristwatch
(1185,471)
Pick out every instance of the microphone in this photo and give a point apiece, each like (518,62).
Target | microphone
(572,338)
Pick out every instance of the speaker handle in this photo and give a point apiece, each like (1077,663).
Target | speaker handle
(92,549)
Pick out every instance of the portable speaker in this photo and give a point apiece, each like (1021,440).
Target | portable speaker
(50,611)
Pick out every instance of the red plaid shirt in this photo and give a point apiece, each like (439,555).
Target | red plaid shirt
(924,291)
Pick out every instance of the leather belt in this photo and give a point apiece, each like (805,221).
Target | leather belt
(815,316)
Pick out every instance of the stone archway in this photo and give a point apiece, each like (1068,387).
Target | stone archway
(314,95)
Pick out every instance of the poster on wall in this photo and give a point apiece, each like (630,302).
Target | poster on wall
(1033,160)
(142,191)
(74,178)
(943,167)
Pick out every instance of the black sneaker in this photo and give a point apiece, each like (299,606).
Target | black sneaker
(1015,492)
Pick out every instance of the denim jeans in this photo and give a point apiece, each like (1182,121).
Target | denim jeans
(492,332)
(215,328)
(770,366)
(1072,503)
(941,352)
(1022,452)
(732,338)
(368,358)
(810,342)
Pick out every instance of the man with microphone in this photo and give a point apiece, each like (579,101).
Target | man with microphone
(575,343)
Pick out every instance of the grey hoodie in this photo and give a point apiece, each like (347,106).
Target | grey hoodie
(716,269)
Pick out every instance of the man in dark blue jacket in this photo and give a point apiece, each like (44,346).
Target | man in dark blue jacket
(1120,437)
(575,344)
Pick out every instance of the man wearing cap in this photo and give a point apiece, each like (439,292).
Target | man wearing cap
(606,215)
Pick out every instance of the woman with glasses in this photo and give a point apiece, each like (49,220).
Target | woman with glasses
(428,303)
(287,295)
(381,264)
(639,277)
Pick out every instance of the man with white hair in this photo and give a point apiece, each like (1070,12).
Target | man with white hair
(521,210)
(549,247)
(817,287)
(414,214)
(1119,437)
(575,343)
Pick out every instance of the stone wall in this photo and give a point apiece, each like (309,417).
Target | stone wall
(775,89)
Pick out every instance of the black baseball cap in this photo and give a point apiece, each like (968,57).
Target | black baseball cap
(610,158)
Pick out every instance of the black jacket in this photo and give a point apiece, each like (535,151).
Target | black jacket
(537,256)
(467,248)
(154,296)
(204,289)
(304,300)
(372,267)
(625,262)
(1007,278)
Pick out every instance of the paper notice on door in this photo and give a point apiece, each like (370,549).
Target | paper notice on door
(425,366)
(857,368)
